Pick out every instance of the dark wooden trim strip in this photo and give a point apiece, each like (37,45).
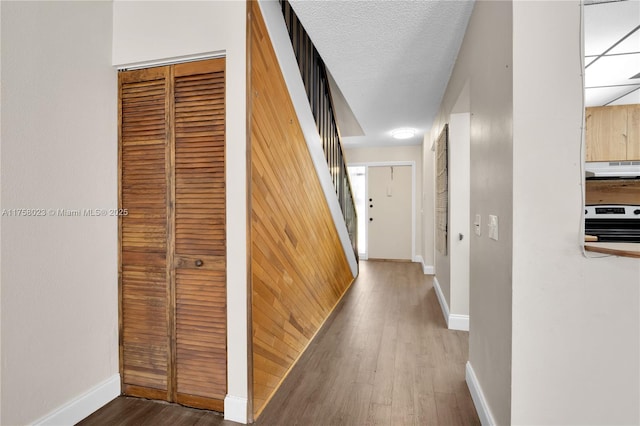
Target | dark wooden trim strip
(120,324)
(172,378)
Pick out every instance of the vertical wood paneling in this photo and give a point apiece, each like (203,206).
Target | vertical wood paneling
(298,267)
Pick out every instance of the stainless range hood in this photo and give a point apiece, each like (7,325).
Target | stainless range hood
(613,169)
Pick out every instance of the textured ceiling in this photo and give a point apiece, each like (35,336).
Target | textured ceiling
(391,59)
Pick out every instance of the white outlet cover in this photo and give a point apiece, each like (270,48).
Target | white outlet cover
(493,227)
(477,225)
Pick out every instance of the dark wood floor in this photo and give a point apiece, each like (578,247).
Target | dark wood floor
(136,411)
(384,357)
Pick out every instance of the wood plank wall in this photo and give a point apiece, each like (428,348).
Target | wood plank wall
(613,191)
(298,267)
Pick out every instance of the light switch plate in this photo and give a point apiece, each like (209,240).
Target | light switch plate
(477,225)
(493,227)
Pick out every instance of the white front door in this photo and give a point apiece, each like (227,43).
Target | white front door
(389,212)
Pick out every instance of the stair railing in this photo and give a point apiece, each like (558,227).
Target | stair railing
(316,83)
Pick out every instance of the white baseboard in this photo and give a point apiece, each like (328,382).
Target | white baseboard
(480,402)
(443,302)
(83,405)
(454,321)
(458,322)
(236,409)
(426,269)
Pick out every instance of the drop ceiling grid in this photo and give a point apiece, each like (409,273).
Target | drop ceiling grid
(608,80)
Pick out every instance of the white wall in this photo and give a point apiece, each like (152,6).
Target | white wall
(554,336)
(396,153)
(59,310)
(154,31)
(484,64)
(576,321)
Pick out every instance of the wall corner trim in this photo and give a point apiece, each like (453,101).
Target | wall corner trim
(454,321)
(480,402)
(236,409)
(83,405)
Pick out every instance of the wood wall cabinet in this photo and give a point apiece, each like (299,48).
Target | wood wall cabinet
(172,272)
(633,132)
(613,133)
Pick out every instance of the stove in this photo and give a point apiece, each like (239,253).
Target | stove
(613,223)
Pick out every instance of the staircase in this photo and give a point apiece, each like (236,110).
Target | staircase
(314,76)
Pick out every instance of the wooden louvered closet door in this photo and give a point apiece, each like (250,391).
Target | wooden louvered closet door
(172,241)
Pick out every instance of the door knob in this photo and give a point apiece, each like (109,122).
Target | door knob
(370,219)
(460,237)
(370,205)
(199,263)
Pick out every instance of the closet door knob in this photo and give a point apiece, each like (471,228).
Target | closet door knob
(199,263)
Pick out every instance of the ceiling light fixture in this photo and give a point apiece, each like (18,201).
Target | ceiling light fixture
(403,133)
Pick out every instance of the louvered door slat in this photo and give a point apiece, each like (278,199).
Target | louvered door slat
(143,238)
(201,342)
(200,234)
